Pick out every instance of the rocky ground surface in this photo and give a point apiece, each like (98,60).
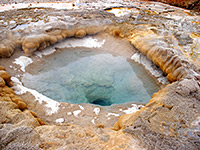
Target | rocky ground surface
(166,35)
(189,4)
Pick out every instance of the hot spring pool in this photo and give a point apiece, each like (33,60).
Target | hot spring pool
(85,76)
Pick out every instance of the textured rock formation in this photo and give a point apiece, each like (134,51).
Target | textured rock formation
(21,128)
(170,61)
(17,138)
(7,48)
(16,122)
(51,34)
(190,4)
(32,43)
(5,76)
(170,120)
(68,136)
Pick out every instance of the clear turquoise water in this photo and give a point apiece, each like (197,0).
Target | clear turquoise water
(100,78)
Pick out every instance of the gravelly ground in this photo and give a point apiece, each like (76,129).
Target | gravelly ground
(77,1)
(31,1)
(194,5)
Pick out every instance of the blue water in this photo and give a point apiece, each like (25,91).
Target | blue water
(101,79)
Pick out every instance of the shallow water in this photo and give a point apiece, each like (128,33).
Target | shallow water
(90,76)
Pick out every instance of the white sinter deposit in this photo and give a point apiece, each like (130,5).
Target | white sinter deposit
(51,105)
(23,61)
(87,42)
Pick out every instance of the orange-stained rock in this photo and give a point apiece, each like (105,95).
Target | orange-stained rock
(7,47)
(30,44)
(4,51)
(174,64)
(80,33)
(34,114)
(171,78)
(70,32)
(93,30)
(22,106)
(125,120)
(56,136)
(59,37)
(6,76)
(181,3)
(2,82)
(117,32)
(16,100)
(7,90)
(41,121)
(43,45)
(64,34)
(55,32)
(100,126)
(2,68)
(10,105)
(52,39)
